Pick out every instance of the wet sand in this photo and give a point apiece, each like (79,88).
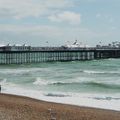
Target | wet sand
(23,108)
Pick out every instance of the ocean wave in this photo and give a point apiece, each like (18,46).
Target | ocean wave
(62,83)
(40,81)
(102,85)
(81,82)
(106,98)
(20,71)
(56,95)
(91,84)
(101,72)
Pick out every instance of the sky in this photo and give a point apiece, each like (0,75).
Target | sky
(54,22)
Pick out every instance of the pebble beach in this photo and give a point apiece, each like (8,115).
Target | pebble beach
(14,107)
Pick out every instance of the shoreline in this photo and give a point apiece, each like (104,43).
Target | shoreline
(14,107)
(78,102)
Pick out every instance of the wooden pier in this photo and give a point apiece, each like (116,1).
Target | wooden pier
(21,55)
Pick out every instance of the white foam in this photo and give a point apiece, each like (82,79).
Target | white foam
(101,72)
(20,70)
(40,81)
(92,72)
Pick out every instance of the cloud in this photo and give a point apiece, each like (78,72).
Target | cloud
(66,16)
(31,8)
(38,34)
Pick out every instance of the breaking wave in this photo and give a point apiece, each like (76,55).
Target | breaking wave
(101,72)
(40,81)
(90,84)
(102,85)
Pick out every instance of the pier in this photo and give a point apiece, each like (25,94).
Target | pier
(28,54)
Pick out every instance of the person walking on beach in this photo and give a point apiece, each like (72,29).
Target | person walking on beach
(0,88)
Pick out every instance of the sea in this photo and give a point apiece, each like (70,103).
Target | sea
(94,83)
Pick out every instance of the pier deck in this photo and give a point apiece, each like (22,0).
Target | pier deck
(23,54)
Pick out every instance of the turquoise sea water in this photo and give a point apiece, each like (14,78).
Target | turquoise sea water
(89,83)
